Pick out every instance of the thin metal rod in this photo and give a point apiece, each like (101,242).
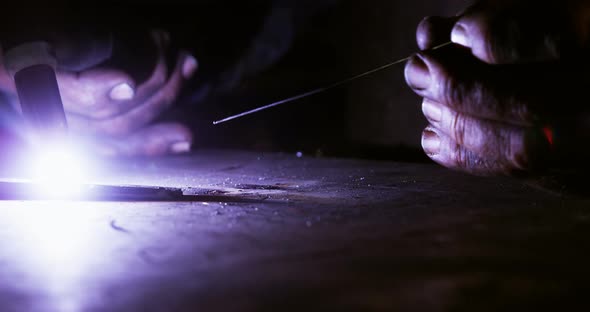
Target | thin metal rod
(320,90)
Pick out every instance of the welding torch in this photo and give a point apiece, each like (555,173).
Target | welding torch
(33,66)
(32,60)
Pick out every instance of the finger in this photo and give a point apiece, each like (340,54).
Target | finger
(189,67)
(162,40)
(140,115)
(509,32)
(160,73)
(513,94)
(104,93)
(155,140)
(91,93)
(446,152)
(122,99)
(433,31)
(521,147)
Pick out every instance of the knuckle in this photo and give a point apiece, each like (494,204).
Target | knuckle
(472,163)
(455,92)
(451,82)
(494,48)
(485,32)
(466,94)
(464,159)
(510,35)
(458,127)
(461,159)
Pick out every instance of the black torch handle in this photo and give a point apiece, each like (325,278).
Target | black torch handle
(40,101)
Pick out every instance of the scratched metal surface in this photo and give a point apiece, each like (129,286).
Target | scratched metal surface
(315,234)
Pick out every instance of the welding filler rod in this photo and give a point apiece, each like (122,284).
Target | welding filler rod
(321,89)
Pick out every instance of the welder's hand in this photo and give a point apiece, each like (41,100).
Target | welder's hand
(108,107)
(501,99)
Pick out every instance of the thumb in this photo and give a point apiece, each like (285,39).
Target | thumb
(507,33)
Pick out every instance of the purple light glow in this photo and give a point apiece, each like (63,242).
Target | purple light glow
(55,246)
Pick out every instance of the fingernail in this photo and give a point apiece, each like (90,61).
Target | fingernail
(189,66)
(430,142)
(459,36)
(431,111)
(180,147)
(122,92)
(417,74)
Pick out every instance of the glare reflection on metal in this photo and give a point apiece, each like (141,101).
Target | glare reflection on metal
(56,244)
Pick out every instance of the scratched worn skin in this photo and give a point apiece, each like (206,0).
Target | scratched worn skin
(504,98)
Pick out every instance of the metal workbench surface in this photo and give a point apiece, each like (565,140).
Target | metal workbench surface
(277,232)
